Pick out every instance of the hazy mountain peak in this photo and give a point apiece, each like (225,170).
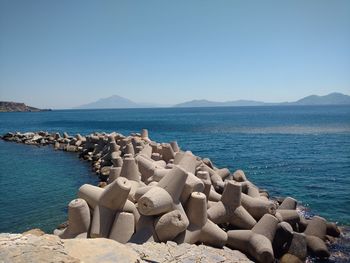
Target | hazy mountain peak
(115,102)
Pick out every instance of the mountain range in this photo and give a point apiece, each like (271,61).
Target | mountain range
(116,101)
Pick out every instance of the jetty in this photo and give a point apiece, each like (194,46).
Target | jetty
(157,192)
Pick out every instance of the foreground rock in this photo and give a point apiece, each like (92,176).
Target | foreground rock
(50,248)
(171,252)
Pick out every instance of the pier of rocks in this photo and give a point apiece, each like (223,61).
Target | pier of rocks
(151,191)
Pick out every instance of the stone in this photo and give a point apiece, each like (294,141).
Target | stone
(171,252)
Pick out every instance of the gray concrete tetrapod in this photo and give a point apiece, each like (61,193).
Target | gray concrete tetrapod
(145,136)
(123,227)
(288,215)
(114,173)
(229,209)
(187,161)
(216,179)
(256,242)
(223,173)
(209,190)
(175,146)
(192,184)
(201,229)
(204,176)
(167,152)
(78,220)
(283,239)
(111,201)
(146,151)
(163,197)
(169,225)
(239,176)
(129,149)
(91,194)
(145,231)
(288,203)
(130,170)
(146,167)
(315,233)
(258,207)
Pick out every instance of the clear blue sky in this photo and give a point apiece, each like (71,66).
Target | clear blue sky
(61,54)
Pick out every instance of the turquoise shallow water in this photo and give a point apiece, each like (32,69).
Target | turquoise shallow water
(299,151)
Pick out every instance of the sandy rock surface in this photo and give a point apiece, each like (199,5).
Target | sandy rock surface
(31,248)
(171,252)
(49,248)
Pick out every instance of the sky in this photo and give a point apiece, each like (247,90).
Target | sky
(61,54)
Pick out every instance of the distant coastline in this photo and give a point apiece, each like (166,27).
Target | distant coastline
(118,102)
(9,106)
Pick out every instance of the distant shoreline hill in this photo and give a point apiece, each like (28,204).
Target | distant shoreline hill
(117,102)
(9,106)
(330,99)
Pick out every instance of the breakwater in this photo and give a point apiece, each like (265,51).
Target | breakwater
(170,194)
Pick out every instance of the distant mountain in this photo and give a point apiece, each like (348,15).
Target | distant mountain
(115,102)
(330,99)
(207,103)
(9,106)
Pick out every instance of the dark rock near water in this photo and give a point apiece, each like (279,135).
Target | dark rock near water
(8,106)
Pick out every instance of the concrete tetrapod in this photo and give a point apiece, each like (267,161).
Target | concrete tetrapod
(146,167)
(175,146)
(258,207)
(167,152)
(192,184)
(288,203)
(164,197)
(131,172)
(169,225)
(91,194)
(187,161)
(239,176)
(111,201)
(144,135)
(283,239)
(114,173)
(229,209)
(78,219)
(256,242)
(209,190)
(201,229)
(123,227)
(216,180)
(315,233)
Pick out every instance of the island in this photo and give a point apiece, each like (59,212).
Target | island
(9,106)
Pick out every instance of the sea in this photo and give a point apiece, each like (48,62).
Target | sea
(298,151)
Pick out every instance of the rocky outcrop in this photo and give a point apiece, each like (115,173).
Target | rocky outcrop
(9,106)
(171,252)
(18,248)
(34,247)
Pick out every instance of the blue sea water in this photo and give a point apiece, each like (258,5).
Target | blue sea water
(299,151)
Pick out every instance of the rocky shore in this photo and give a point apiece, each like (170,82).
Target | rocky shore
(155,192)
(36,246)
(9,106)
